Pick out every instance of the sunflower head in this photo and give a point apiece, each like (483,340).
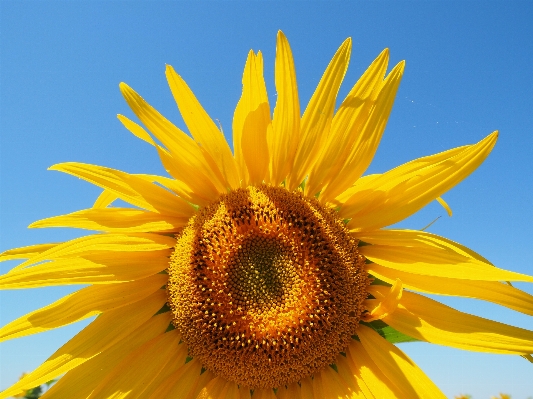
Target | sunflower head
(266,286)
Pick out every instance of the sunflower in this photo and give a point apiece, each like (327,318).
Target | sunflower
(265,271)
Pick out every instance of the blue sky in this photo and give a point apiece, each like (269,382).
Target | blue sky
(468,73)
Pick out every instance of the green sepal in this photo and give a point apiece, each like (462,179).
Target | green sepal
(165,308)
(389,333)
(377,281)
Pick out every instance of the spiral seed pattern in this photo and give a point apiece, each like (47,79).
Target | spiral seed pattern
(266,286)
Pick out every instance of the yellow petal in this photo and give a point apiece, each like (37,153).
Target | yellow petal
(399,193)
(203,129)
(445,205)
(133,242)
(423,253)
(129,188)
(108,329)
(386,305)
(82,380)
(251,123)
(184,383)
(328,384)
(180,188)
(397,366)
(136,129)
(198,190)
(370,377)
(102,268)
(25,252)
(492,291)
(340,199)
(105,199)
(175,362)
(244,393)
(197,184)
(81,304)
(262,394)
(185,152)
(123,220)
(361,153)
(429,320)
(213,389)
(316,120)
(137,370)
(285,136)
(352,378)
(356,130)
(293,391)
(307,388)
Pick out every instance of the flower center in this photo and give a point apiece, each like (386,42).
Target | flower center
(266,286)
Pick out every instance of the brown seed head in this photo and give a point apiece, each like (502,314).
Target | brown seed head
(266,286)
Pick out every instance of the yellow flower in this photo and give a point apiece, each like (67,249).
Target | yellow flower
(267,269)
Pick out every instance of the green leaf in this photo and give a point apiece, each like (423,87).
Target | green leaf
(34,393)
(377,281)
(390,334)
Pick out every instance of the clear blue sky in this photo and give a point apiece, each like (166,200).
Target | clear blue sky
(468,73)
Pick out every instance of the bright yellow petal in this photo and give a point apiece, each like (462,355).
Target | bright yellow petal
(130,188)
(124,220)
(136,129)
(251,123)
(108,329)
(100,268)
(135,373)
(81,381)
(356,130)
(316,120)
(185,152)
(25,252)
(179,187)
(198,186)
(369,375)
(387,304)
(399,193)
(173,365)
(81,304)
(361,153)
(352,378)
(93,244)
(397,366)
(423,253)
(429,320)
(198,190)
(492,291)
(203,129)
(285,136)
(445,205)
(105,199)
